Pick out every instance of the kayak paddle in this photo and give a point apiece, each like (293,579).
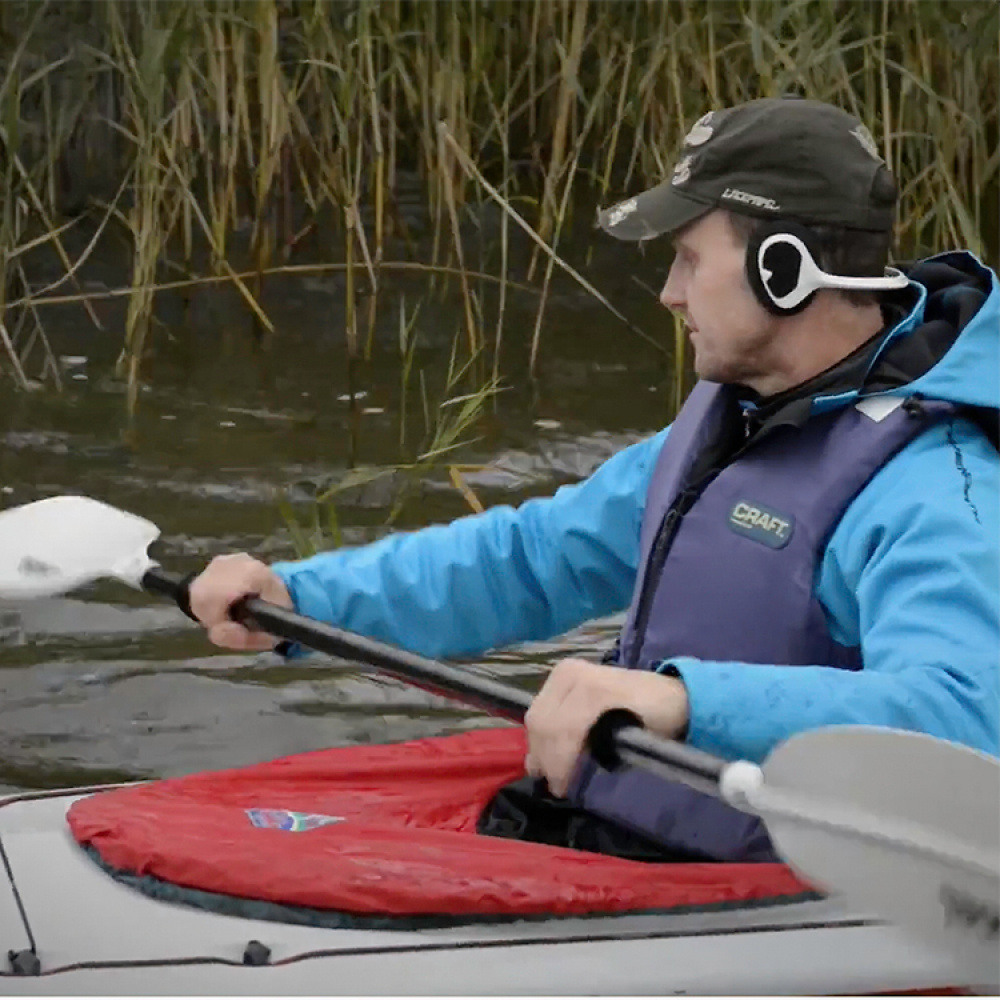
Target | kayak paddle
(902,824)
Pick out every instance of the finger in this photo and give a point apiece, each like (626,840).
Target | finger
(547,754)
(230,635)
(546,703)
(552,747)
(206,593)
(557,786)
(559,687)
(562,678)
(223,582)
(558,737)
(558,764)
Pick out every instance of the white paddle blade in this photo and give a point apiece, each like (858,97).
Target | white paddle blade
(913,837)
(56,545)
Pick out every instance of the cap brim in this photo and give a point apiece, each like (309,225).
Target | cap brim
(653,213)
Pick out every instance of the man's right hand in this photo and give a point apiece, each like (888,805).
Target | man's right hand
(226,580)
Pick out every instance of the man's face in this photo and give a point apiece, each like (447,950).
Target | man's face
(731,332)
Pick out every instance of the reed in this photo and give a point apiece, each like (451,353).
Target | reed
(185,125)
(450,417)
(30,128)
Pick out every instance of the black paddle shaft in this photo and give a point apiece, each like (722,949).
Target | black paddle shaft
(631,744)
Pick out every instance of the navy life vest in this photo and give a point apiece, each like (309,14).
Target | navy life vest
(737,583)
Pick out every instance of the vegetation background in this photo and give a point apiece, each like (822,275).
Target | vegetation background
(220,145)
(255,251)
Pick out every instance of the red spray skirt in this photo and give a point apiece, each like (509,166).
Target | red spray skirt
(386,830)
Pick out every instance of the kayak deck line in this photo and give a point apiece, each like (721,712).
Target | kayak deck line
(426,946)
(18,903)
(58,793)
(146,963)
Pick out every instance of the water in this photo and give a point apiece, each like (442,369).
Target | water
(109,684)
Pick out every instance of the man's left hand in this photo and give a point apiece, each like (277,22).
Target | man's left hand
(575,694)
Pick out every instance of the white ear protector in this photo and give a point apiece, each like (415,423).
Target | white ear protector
(784,275)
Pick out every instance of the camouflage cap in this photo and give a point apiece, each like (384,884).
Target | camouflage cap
(781,158)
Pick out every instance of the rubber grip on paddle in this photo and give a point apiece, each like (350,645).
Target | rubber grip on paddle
(601,737)
(177,588)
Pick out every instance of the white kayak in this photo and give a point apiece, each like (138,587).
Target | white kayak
(68,928)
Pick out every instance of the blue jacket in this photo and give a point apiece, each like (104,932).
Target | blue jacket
(911,574)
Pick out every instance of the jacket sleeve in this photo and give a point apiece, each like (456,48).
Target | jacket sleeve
(487,580)
(912,575)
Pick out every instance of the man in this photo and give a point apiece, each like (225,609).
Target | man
(813,541)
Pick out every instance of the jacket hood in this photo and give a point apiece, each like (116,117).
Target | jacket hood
(947,346)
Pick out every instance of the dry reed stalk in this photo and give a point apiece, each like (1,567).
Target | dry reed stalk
(144,85)
(472,331)
(568,93)
(272,133)
(500,114)
(52,231)
(286,270)
(505,205)
(608,67)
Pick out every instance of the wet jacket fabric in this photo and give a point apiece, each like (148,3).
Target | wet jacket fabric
(909,576)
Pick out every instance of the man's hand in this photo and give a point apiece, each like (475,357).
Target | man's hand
(575,694)
(225,581)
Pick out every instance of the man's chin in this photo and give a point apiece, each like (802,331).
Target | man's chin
(704,368)
(708,371)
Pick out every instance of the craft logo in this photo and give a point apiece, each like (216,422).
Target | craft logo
(290,822)
(761,524)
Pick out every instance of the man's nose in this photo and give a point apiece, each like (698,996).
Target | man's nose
(671,296)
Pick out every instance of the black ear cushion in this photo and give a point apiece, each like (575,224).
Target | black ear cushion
(783,261)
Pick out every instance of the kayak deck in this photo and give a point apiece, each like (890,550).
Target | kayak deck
(96,936)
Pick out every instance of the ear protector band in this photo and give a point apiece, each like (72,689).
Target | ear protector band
(784,275)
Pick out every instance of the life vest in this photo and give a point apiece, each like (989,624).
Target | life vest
(738,583)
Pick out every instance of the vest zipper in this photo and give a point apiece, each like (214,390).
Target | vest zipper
(657,557)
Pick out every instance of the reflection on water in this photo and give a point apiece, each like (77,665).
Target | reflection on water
(108,684)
